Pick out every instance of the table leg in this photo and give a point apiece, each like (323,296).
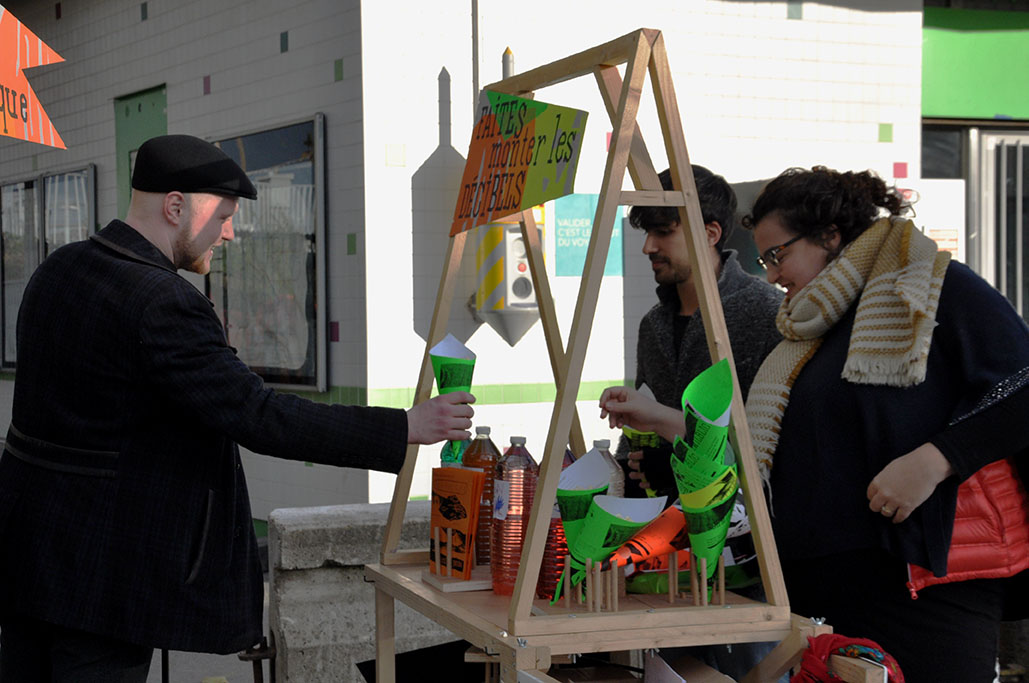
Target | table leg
(385,638)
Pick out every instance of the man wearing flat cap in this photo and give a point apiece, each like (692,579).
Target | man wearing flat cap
(124,514)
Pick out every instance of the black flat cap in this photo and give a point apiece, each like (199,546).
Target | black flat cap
(183,163)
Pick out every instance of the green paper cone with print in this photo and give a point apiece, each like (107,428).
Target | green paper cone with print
(579,483)
(708,511)
(707,485)
(639,440)
(453,364)
(610,522)
(710,393)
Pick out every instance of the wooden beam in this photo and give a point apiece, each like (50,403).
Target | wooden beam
(788,652)
(407,557)
(548,318)
(652,198)
(523,636)
(641,168)
(582,323)
(440,316)
(612,53)
(853,670)
(714,321)
(385,639)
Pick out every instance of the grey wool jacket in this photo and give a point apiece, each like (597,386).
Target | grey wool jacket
(749,305)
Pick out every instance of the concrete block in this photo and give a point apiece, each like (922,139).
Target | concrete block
(321,610)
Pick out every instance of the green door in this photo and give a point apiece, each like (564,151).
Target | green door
(137,118)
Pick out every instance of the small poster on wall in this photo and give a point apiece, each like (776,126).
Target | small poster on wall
(573,228)
(523,153)
(21,115)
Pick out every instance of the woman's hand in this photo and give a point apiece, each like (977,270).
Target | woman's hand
(906,482)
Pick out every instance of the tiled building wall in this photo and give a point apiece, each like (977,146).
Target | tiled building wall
(761,86)
(264,64)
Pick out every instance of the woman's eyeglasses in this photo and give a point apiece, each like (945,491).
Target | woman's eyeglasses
(771,255)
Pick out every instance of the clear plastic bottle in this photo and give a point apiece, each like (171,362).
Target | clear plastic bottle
(569,457)
(513,491)
(616,487)
(483,454)
(553,557)
(556,548)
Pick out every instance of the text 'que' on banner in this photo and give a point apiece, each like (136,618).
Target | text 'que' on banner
(523,153)
(21,114)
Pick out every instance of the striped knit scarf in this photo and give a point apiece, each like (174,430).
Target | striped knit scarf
(895,273)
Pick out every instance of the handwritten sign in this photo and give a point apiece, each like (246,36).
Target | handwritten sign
(522,153)
(21,115)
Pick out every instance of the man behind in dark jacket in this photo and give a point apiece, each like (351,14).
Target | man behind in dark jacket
(124,514)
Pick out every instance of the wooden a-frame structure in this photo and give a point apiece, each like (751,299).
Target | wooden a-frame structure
(524,634)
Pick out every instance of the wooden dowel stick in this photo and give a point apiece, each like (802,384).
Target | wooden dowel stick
(721,580)
(589,584)
(703,581)
(567,578)
(450,553)
(673,576)
(435,533)
(694,588)
(598,585)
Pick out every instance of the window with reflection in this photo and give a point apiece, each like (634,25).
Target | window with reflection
(19,254)
(36,217)
(265,283)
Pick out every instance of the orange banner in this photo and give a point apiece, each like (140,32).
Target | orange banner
(21,114)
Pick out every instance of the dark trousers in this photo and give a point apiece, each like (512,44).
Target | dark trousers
(33,651)
(949,633)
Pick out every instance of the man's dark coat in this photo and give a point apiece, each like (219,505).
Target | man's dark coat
(123,505)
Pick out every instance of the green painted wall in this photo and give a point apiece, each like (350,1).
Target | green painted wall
(137,118)
(485,394)
(494,394)
(975,64)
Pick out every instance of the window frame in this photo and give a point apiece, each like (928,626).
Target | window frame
(320,285)
(41,236)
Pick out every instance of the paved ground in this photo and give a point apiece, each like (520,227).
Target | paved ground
(192,667)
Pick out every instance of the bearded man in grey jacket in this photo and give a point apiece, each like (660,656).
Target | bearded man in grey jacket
(672,346)
(672,350)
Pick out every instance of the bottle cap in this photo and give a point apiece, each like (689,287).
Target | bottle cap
(517,440)
(602,443)
(482,430)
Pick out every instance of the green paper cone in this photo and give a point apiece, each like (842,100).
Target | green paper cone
(707,486)
(609,523)
(574,506)
(710,392)
(452,374)
(708,513)
(639,440)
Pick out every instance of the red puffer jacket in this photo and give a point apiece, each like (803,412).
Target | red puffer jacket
(991,530)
